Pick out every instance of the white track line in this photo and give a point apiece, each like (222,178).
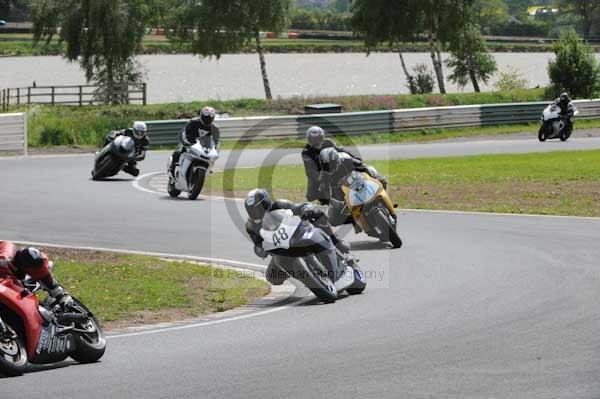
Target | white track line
(160,330)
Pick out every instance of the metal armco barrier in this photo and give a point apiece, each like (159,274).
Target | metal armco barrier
(13,132)
(355,123)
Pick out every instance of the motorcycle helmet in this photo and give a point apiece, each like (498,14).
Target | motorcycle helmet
(315,137)
(207,116)
(257,203)
(28,257)
(330,160)
(564,98)
(139,129)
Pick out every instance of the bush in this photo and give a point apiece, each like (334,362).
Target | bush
(511,80)
(575,69)
(423,80)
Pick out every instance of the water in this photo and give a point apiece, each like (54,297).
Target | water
(184,78)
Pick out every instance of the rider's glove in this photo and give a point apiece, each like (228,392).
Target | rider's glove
(61,296)
(311,214)
(260,252)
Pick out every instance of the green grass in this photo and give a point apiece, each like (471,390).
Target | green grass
(129,289)
(557,183)
(87,125)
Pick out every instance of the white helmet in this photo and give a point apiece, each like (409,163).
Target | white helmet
(139,129)
(315,137)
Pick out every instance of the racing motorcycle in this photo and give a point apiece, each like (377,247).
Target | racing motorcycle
(40,333)
(113,157)
(553,124)
(190,171)
(306,253)
(371,207)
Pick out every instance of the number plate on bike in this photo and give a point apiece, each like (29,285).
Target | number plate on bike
(280,237)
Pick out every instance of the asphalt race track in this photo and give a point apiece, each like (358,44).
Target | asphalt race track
(473,306)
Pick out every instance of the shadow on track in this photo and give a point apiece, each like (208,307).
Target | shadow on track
(369,245)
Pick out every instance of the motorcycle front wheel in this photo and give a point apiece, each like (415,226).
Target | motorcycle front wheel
(197,183)
(565,134)
(319,284)
(542,136)
(389,233)
(89,336)
(13,355)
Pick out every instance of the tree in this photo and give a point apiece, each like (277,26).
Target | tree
(490,13)
(575,69)
(102,35)
(587,9)
(384,21)
(442,19)
(218,26)
(470,58)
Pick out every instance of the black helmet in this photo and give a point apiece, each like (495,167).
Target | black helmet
(28,257)
(257,203)
(315,137)
(207,116)
(330,160)
(564,97)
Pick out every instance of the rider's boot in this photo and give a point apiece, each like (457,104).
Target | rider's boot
(275,275)
(132,170)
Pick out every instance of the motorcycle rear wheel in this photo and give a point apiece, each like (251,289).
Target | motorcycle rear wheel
(360,282)
(198,182)
(91,344)
(13,355)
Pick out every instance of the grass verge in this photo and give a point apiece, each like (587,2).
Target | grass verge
(556,183)
(124,290)
(87,125)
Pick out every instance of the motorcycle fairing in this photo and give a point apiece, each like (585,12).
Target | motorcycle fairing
(26,308)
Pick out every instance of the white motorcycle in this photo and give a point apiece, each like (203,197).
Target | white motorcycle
(190,171)
(553,124)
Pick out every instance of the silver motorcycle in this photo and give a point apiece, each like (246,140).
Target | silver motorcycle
(190,172)
(303,251)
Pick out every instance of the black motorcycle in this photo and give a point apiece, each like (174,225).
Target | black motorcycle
(113,157)
(306,253)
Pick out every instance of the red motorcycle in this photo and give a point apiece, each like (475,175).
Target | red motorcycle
(42,333)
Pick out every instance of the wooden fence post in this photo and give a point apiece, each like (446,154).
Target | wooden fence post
(18,96)
(80,96)
(144,97)
(29,96)
(52,95)
(7,98)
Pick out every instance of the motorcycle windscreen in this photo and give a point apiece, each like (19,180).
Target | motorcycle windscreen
(362,194)
(278,228)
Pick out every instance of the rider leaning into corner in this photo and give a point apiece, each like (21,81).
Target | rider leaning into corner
(201,126)
(138,133)
(16,264)
(335,168)
(319,186)
(567,110)
(258,202)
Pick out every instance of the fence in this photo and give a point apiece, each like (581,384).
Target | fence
(13,132)
(355,123)
(74,95)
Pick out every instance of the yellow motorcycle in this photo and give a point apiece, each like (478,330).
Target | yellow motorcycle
(371,207)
